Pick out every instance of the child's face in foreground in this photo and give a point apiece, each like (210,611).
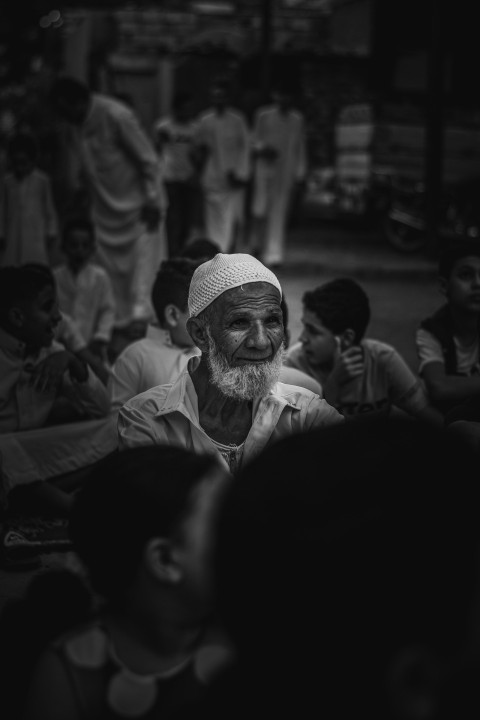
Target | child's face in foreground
(463,286)
(319,343)
(40,318)
(78,247)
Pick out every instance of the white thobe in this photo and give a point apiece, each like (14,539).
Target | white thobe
(123,173)
(27,217)
(226,138)
(274,179)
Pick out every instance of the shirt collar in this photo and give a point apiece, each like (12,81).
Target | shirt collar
(158,334)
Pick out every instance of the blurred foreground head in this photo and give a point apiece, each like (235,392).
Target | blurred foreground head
(348,573)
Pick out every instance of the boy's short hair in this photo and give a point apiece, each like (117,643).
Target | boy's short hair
(23,142)
(339,305)
(171,285)
(79,223)
(21,285)
(129,498)
(453,253)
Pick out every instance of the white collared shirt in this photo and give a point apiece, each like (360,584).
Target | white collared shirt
(169,414)
(153,360)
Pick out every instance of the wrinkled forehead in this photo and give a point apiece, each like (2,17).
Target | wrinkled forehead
(249,294)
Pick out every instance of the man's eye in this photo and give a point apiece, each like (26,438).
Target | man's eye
(239,322)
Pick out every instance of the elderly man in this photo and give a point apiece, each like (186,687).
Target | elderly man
(228,400)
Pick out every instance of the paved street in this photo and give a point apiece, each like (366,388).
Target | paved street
(402,290)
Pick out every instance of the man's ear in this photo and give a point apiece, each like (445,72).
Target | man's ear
(171,315)
(16,317)
(160,561)
(196,330)
(412,684)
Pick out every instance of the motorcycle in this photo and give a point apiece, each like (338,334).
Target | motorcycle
(405,224)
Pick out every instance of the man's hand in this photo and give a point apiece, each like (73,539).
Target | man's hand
(48,374)
(348,364)
(151,216)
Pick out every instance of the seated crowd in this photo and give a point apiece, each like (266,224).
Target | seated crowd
(259,527)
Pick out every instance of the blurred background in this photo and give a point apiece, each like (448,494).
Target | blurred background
(388,90)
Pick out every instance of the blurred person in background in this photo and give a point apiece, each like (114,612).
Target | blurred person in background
(84,288)
(280,165)
(174,137)
(28,218)
(120,184)
(222,153)
(163,353)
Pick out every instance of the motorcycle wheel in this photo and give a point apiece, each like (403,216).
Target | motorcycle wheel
(403,238)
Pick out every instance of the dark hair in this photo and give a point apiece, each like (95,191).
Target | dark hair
(371,547)
(201,248)
(129,498)
(23,143)
(80,223)
(68,89)
(340,304)
(22,285)
(171,285)
(453,253)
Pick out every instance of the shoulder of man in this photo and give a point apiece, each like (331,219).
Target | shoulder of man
(149,402)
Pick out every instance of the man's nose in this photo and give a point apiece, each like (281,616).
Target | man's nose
(258,336)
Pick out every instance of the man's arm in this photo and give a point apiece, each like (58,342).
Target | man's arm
(449,390)
(142,153)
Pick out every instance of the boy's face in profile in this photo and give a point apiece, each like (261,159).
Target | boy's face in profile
(40,317)
(462,288)
(78,247)
(319,344)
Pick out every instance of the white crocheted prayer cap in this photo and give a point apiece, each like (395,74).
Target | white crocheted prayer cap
(224,272)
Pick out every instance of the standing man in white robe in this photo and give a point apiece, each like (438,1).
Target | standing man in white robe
(279,164)
(126,198)
(223,149)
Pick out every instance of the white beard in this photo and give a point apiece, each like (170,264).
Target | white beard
(246,382)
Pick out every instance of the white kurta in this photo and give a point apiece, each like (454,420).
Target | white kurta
(274,179)
(123,173)
(226,138)
(27,217)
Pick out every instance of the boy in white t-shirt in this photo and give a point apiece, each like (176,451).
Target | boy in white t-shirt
(448,341)
(358,376)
